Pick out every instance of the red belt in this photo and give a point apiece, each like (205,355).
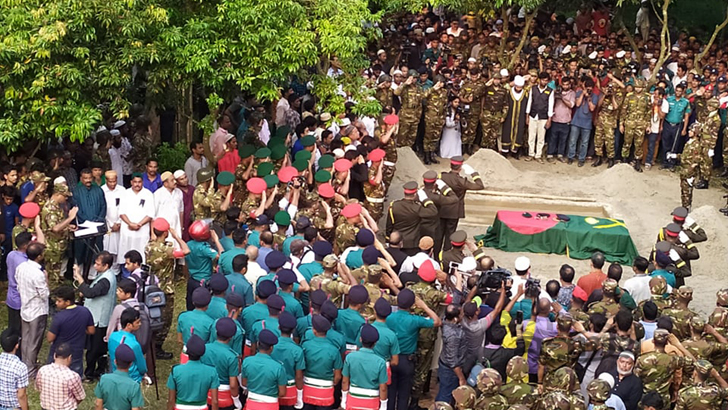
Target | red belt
(260,402)
(290,398)
(318,392)
(224,398)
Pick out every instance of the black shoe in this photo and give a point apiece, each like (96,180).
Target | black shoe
(570,161)
(162,355)
(581,163)
(637,166)
(433,159)
(597,162)
(724,210)
(515,155)
(610,162)
(702,184)
(624,160)
(724,174)
(426,158)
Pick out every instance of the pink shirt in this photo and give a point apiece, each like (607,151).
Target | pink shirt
(562,113)
(217,141)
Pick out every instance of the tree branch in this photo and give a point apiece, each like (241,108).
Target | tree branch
(505,33)
(718,29)
(663,41)
(524,36)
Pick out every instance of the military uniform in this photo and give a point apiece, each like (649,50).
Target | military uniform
(517,391)
(494,111)
(433,298)
(435,107)
(405,215)
(703,395)
(430,226)
(157,256)
(451,214)
(385,96)
(412,96)
(489,383)
(708,140)
(335,288)
(656,369)
(636,115)
(607,307)
(558,352)
(374,193)
(202,202)
(56,242)
(18,229)
(102,155)
(471,90)
(690,160)
(607,123)
(558,392)
(464,397)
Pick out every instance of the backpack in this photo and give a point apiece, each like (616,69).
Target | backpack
(154,300)
(482,363)
(144,334)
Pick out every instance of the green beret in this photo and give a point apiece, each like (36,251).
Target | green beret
(246,150)
(300,164)
(282,218)
(225,178)
(262,153)
(137,175)
(322,176)
(326,161)
(276,141)
(282,132)
(303,155)
(278,152)
(271,180)
(308,140)
(264,169)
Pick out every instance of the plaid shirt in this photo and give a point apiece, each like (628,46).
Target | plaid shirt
(13,376)
(60,387)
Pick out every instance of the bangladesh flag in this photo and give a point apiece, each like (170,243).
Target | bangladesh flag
(578,237)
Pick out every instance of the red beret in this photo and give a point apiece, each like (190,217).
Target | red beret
(286,174)
(351,210)
(341,165)
(325,190)
(161,225)
(580,294)
(29,210)
(256,185)
(391,119)
(427,271)
(376,155)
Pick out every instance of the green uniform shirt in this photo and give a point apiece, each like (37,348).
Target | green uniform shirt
(119,391)
(197,319)
(322,358)
(264,374)
(192,381)
(226,260)
(199,260)
(217,308)
(407,328)
(223,359)
(254,239)
(365,369)
(290,355)
(227,243)
(252,314)
(270,323)
(678,109)
(236,343)
(238,284)
(348,323)
(292,305)
(272,277)
(311,269)
(387,345)
(302,325)
(334,337)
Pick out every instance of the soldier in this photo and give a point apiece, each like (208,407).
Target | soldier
(451,214)
(608,306)
(719,318)
(576,310)
(405,216)
(243,172)
(657,368)
(695,233)
(489,383)
(690,160)
(374,188)
(364,384)
(323,365)
(609,106)
(558,395)
(705,343)
(290,355)
(441,195)
(559,351)
(708,138)
(387,141)
(703,395)
(599,392)
(494,112)
(517,391)
(221,199)
(220,356)
(384,92)
(142,147)
(202,197)
(191,383)
(264,376)
(636,115)
(434,119)
(57,229)
(411,94)
(29,211)
(160,256)
(35,189)
(346,232)
(464,397)
(471,96)
(680,313)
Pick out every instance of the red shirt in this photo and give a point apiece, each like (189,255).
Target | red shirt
(592,281)
(229,161)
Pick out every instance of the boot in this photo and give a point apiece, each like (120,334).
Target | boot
(470,149)
(426,158)
(515,155)
(637,166)
(610,162)
(432,158)
(597,162)
(724,174)
(161,354)
(702,184)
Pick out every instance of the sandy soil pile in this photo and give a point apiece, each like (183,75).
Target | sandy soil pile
(492,166)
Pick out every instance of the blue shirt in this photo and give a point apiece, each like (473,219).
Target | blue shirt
(139,366)
(262,253)
(152,185)
(10,212)
(582,116)
(91,203)
(678,109)
(25,189)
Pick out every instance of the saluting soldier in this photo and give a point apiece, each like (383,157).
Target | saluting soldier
(388,142)
(384,92)
(494,112)
(558,351)
(452,213)
(364,384)
(680,312)
(636,115)
(374,187)
(191,383)
(456,253)
(441,195)
(405,216)
(516,390)
(290,355)
(657,368)
(690,165)
(220,356)
(202,205)
(243,172)
(57,229)
(346,232)
(708,139)
(221,199)
(264,376)
(680,216)
(323,366)
(471,96)
(702,394)
(435,107)
(411,93)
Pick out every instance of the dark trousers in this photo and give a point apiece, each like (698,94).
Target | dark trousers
(559,135)
(96,354)
(127,181)
(448,381)
(402,380)
(32,335)
(669,140)
(14,320)
(191,286)
(448,226)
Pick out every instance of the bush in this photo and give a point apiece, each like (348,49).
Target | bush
(171,158)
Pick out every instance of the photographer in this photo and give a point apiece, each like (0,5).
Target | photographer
(564,99)
(475,327)
(581,124)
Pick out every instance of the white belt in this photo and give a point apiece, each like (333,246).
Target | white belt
(351,347)
(261,398)
(291,383)
(389,163)
(317,382)
(190,407)
(248,343)
(224,387)
(375,200)
(359,391)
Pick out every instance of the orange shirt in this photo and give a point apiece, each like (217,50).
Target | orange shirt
(592,281)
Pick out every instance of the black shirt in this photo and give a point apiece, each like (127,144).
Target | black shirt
(628,389)
(398,257)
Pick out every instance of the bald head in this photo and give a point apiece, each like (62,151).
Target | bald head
(252,252)
(395,239)
(544,306)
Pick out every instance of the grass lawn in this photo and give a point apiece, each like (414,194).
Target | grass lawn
(163,366)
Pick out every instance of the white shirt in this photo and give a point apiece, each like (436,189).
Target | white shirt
(113,202)
(117,162)
(655,119)
(254,272)
(192,166)
(169,205)
(415,261)
(281,109)
(455,33)
(136,206)
(264,134)
(33,289)
(638,287)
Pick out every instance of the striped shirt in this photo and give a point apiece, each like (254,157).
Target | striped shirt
(13,376)
(91,203)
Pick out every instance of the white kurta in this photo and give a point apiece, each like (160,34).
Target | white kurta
(113,202)
(136,206)
(168,205)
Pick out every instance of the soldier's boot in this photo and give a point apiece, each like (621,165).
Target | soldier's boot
(426,158)
(702,184)
(724,174)
(433,159)
(637,166)
(597,161)
(610,162)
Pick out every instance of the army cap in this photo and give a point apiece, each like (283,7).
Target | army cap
(326,191)
(286,174)
(489,381)
(124,353)
(246,151)
(661,336)
(320,323)
(267,338)
(322,175)
(429,176)
(376,155)
(282,218)
(266,288)
(458,238)
(714,103)
(519,407)
(563,379)
(264,169)
(517,368)
(565,320)
(382,308)
(225,178)
(351,210)
(286,321)
(37,176)
(391,119)
(29,210)
(270,181)
(374,270)
(427,271)
(673,229)
(283,131)
(275,302)
(326,161)
(218,283)
(703,366)
(722,297)
(201,297)
(225,328)
(275,259)
(697,323)
(330,261)
(256,185)
(300,164)
(205,174)
(369,333)
(410,187)
(598,390)
(278,151)
(679,214)
(62,189)
(342,164)
(685,292)
(658,285)
(318,297)
(609,286)
(262,153)
(308,141)
(195,346)
(303,155)
(464,397)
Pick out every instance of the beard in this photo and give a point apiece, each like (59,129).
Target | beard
(624,372)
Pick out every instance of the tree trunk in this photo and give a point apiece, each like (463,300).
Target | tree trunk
(619,20)
(504,34)
(524,36)
(718,29)
(664,41)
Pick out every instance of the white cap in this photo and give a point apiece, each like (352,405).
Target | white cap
(541,48)
(522,262)
(349,148)
(518,81)
(345,121)
(570,21)
(567,49)
(101,128)
(621,54)
(649,56)
(59,180)
(468,264)
(593,55)
(472,60)
(494,34)
(429,30)
(119,124)
(504,72)
(676,48)
(178,173)
(653,60)
(499,21)
(397,72)
(381,52)
(607,378)
(338,153)
(114,133)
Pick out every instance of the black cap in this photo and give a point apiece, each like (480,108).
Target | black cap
(429,175)
(458,237)
(405,299)
(470,309)
(225,327)
(663,246)
(235,300)
(322,248)
(275,259)
(382,307)
(266,288)
(218,283)
(276,302)
(364,237)
(267,337)
(303,223)
(422,70)
(201,297)
(286,277)
(329,311)
(410,186)
(680,213)
(195,346)
(287,321)
(358,294)
(369,334)
(370,255)
(673,228)
(318,297)
(320,323)
(124,353)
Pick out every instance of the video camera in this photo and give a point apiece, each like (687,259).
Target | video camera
(492,280)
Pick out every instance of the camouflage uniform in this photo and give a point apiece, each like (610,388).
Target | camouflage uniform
(606,306)
(559,392)
(494,110)
(464,397)
(345,235)
(434,118)
(656,369)
(708,140)
(558,352)
(335,288)
(157,256)
(248,206)
(607,122)
(240,189)
(375,193)
(579,316)
(517,391)
(690,160)
(681,316)
(719,318)
(390,148)
(384,96)
(472,89)
(411,96)
(17,229)
(142,150)
(215,201)
(636,115)
(56,242)
(598,391)
(705,346)
(427,337)
(102,155)
(489,383)
(202,206)
(703,395)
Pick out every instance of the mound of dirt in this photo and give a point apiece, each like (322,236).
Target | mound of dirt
(610,180)
(492,166)
(409,168)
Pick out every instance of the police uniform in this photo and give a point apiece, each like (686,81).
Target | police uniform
(290,355)
(452,213)
(322,360)
(330,313)
(275,307)
(286,277)
(224,360)
(349,320)
(193,380)
(257,311)
(388,345)
(264,376)
(366,372)
(196,321)
(217,308)
(405,215)
(235,301)
(117,390)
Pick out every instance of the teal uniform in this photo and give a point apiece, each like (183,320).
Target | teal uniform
(290,355)
(407,328)
(227,243)
(254,239)
(311,269)
(238,284)
(264,374)
(226,260)
(387,345)
(139,365)
(348,323)
(236,342)
(292,305)
(192,381)
(353,259)
(253,313)
(199,260)
(217,308)
(365,369)
(119,391)
(223,359)
(335,338)
(287,244)
(270,323)
(272,277)
(302,325)
(197,319)
(322,358)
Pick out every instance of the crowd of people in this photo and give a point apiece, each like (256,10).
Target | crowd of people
(296,298)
